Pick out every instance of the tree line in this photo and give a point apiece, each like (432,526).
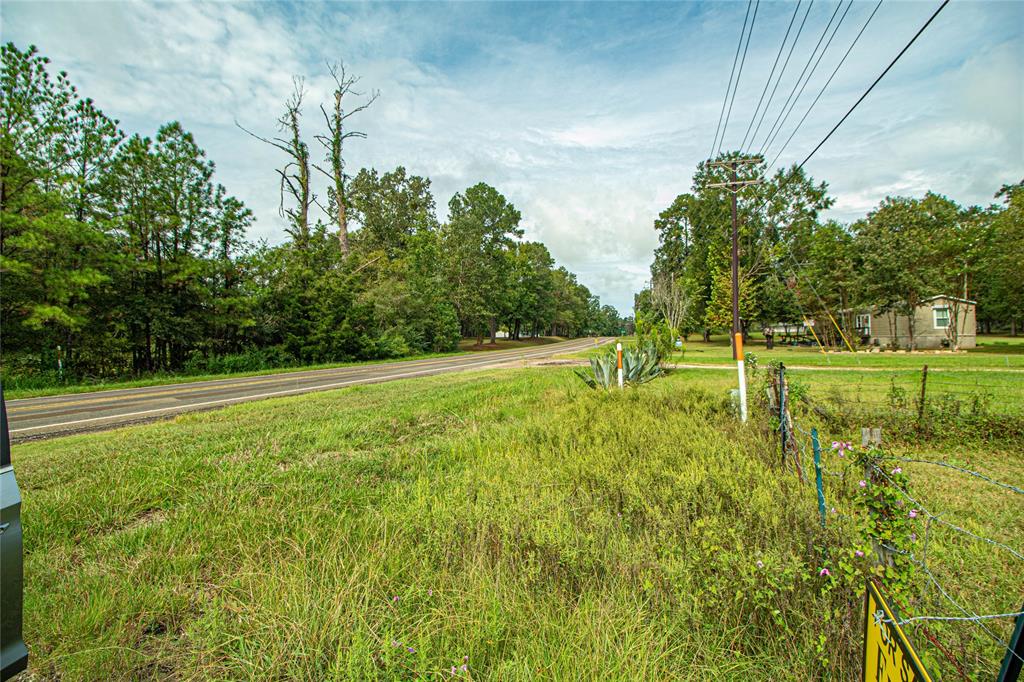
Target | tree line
(794,265)
(122,255)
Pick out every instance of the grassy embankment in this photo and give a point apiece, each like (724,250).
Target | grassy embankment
(15,389)
(512,517)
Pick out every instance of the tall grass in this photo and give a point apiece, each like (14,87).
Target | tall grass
(392,531)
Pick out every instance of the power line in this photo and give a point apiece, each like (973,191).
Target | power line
(782,72)
(796,10)
(735,59)
(824,87)
(739,74)
(880,77)
(800,78)
(860,99)
(810,74)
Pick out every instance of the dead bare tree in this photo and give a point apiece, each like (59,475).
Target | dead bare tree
(295,174)
(334,142)
(671,299)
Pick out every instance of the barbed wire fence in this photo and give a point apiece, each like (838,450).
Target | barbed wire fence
(800,446)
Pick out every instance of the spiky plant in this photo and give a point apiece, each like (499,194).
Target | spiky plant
(639,365)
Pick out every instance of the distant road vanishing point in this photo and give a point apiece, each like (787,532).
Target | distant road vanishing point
(34,418)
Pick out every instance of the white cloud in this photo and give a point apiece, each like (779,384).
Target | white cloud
(590,118)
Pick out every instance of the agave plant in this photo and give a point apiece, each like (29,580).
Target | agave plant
(602,372)
(639,365)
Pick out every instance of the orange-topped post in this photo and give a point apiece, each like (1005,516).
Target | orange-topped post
(618,353)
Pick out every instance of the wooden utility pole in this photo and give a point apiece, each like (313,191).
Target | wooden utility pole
(734,186)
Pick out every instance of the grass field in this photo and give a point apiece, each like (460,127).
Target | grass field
(993,352)
(507,344)
(510,521)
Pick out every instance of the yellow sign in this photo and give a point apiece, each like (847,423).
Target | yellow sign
(888,656)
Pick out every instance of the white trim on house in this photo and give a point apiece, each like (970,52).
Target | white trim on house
(862,323)
(948,298)
(935,316)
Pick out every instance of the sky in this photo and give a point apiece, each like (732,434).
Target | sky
(589,117)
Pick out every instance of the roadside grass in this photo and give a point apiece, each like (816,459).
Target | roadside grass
(510,520)
(14,391)
(507,344)
(514,517)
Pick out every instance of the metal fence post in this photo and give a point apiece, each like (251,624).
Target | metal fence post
(782,408)
(1011,668)
(924,385)
(817,474)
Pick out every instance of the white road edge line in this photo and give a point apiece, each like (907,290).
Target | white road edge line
(224,401)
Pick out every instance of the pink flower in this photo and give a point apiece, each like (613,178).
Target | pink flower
(430,593)
(858,553)
(897,470)
(835,445)
(824,571)
(464,668)
(863,484)
(395,598)
(912,513)
(453,671)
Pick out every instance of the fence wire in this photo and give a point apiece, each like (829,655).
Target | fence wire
(903,392)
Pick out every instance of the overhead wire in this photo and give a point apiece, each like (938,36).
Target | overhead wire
(739,74)
(735,59)
(782,72)
(800,78)
(876,81)
(810,75)
(827,83)
(860,99)
(785,38)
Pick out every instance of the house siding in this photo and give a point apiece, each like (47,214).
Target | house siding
(926,336)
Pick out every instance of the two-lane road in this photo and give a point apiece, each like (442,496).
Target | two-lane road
(58,415)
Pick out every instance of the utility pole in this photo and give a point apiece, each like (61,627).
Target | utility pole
(734,186)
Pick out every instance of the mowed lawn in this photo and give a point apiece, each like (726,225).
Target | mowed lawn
(992,353)
(512,522)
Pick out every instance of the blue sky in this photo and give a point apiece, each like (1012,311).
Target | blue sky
(590,117)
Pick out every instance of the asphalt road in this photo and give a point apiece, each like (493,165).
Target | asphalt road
(33,418)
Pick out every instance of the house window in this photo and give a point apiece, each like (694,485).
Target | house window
(941,317)
(862,323)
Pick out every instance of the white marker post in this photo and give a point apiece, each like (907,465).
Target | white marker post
(618,352)
(743,376)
